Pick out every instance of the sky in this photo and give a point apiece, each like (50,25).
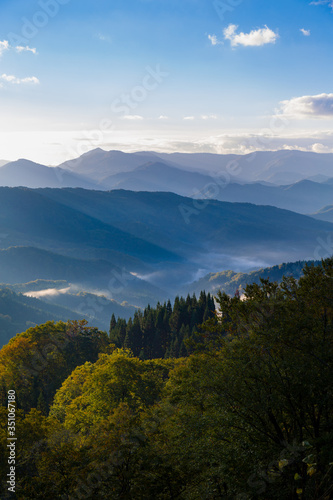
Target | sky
(222,76)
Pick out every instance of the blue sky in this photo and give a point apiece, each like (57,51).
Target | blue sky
(226,76)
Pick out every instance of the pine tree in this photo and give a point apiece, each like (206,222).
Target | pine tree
(133,339)
(113,323)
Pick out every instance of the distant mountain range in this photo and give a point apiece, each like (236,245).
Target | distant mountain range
(99,164)
(276,167)
(325,213)
(29,174)
(18,313)
(112,231)
(229,281)
(305,182)
(158,176)
(140,247)
(27,264)
(20,310)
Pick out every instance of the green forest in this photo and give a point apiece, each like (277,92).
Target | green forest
(163,332)
(179,402)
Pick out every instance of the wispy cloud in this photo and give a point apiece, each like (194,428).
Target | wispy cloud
(20,48)
(305,32)
(202,117)
(319,142)
(132,117)
(209,117)
(4,45)
(163,117)
(323,2)
(18,81)
(255,38)
(103,38)
(316,106)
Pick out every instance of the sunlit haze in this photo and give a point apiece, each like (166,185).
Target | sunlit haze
(164,75)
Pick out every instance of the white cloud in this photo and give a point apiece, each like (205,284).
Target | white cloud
(255,38)
(305,32)
(214,40)
(189,118)
(30,79)
(163,117)
(320,148)
(209,117)
(317,142)
(8,78)
(316,106)
(18,81)
(4,45)
(20,48)
(132,117)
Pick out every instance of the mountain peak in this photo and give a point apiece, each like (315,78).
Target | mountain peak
(94,152)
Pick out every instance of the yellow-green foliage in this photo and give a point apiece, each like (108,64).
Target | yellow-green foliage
(249,415)
(93,392)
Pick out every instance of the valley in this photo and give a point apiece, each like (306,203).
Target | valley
(112,232)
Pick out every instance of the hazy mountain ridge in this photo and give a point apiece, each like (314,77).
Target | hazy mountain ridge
(26,304)
(28,218)
(164,240)
(325,213)
(163,217)
(230,281)
(99,164)
(259,166)
(277,167)
(18,312)
(293,180)
(28,264)
(33,175)
(158,176)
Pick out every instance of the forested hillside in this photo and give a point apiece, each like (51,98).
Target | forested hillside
(17,313)
(230,281)
(247,415)
(163,332)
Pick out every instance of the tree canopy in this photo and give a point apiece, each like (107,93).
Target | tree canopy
(248,414)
